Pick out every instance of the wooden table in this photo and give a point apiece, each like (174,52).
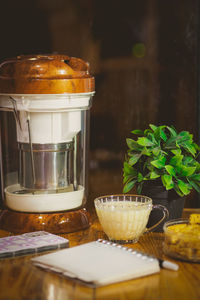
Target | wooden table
(19,279)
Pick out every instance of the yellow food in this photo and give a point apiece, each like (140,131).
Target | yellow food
(192,229)
(182,240)
(194,219)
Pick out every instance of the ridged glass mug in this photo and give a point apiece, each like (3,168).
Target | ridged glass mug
(124,217)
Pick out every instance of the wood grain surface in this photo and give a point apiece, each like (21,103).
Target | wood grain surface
(45,74)
(19,279)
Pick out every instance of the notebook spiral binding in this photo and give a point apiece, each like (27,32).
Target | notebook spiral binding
(132,251)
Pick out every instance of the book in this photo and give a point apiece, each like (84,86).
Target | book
(31,242)
(99,263)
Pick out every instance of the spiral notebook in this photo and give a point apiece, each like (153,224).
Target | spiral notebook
(99,263)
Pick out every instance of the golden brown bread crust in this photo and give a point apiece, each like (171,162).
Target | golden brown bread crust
(45,74)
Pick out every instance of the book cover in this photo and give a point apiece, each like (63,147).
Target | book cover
(31,242)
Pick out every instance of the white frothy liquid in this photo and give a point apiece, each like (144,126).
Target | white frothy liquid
(123,220)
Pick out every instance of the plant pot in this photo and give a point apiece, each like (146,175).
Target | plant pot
(170,199)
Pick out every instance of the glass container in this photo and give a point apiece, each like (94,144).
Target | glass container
(182,240)
(44,113)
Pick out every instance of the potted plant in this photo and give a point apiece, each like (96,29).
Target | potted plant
(162,164)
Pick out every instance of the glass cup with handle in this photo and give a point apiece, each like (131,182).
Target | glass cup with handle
(124,217)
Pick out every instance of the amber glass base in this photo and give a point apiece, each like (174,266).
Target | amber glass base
(61,222)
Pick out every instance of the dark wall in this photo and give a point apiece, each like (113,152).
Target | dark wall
(143,55)
(23,28)
(178,63)
(159,85)
(144,58)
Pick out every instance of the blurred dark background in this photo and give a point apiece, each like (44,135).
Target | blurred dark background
(143,54)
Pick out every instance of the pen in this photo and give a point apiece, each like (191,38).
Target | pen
(168,265)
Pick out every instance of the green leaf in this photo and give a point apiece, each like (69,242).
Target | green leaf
(188,160)
(139,188)
(197,147)
(128,170)
(185,189)
(185,136)
(164,153)
(176,160)
(195,177)
(176,151)
(151,137)
(176,188)
(140,177)
(134,158)
(156,151)
(185,171)
(194,185)
(159,163)
(188,171)
(137,132)
(154,175)
(146,151)
(128,186)
(170,170)
(153,127)
(171,143)
(147,131)
(133,145)
(197,166)
(190,148)
(127,178)
(163,134)
(157,134)
(167,181)
(143,141)
(172,131)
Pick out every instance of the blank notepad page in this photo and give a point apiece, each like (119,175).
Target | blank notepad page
(99,262)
